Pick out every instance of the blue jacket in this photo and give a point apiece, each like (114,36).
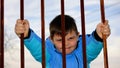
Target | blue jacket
(54,57)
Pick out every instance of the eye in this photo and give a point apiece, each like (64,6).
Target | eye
(59,40)
(71,38)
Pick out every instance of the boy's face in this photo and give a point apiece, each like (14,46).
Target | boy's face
(70,42)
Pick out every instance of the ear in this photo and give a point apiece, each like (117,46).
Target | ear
(51,39)
(78,33)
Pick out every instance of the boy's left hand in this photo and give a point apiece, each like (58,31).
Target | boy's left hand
(103,29)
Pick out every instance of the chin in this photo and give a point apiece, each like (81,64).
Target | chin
(68,52)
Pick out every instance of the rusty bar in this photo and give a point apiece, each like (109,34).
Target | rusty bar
(1,33)
(63,34)
(43,34)
(104,37)
(22,35)
(83,34)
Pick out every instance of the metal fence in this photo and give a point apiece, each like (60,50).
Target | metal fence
(22,62)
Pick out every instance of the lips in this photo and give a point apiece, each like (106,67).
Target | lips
(66,48)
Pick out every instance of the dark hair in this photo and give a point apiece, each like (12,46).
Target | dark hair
(55,25)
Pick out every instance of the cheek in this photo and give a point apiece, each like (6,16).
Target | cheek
(58,45)
(73,43)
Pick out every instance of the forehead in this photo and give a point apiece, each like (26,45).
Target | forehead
(68,34)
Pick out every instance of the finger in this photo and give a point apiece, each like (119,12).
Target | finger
(19,27)
(26,23)
(19,21)
(107,32)
(107,27)
(19,24)
(25,20)
(106,22)
(19,30)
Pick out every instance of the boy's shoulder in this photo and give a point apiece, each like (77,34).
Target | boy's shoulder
(93,35)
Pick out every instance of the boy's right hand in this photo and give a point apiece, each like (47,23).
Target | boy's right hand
(22,26)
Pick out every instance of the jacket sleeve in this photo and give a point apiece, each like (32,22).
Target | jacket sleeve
(94,47)
(33,44)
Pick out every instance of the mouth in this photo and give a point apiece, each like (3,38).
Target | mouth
(66,48)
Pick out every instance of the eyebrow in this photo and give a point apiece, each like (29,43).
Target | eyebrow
(72,36)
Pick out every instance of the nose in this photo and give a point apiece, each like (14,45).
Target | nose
(67,43)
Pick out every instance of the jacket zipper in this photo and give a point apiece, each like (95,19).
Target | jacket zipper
(77,60)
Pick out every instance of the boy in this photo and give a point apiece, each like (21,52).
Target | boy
(73,44)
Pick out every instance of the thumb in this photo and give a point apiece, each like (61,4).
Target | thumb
(106,22)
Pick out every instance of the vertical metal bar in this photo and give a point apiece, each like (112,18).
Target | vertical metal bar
(63,34)
(104,37)
(1,33)
(22,35)
(43,34)
(83,34)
